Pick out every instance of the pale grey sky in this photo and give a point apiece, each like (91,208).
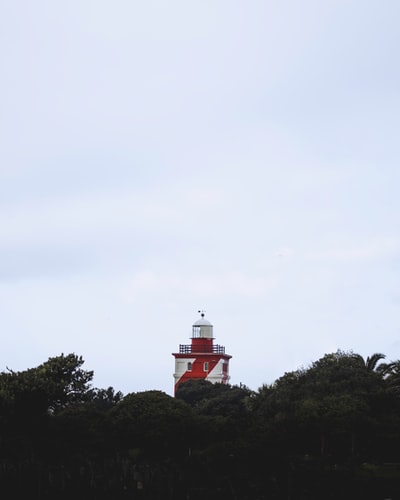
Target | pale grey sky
(163,157)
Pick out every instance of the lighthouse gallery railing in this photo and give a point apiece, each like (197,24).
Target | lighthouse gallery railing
(188,349)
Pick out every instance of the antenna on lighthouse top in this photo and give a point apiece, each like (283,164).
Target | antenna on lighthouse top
(201,312)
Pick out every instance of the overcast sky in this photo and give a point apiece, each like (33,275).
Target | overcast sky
(160,157)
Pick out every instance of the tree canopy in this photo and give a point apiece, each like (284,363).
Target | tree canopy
(334,425)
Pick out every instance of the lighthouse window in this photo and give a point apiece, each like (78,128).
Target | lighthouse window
(205,366)
(189,367)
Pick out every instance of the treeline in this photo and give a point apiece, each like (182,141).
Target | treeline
(330,430)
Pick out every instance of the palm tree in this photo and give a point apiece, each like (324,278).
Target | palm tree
(371,362)
(391,374)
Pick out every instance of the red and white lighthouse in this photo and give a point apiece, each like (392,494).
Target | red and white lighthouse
(202,359)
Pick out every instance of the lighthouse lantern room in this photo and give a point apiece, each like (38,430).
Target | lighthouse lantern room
(201,359)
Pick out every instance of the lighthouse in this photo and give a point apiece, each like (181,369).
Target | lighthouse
(201,359)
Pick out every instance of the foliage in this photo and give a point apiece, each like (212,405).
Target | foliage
(332,426)
(153,422)
(53,385)
(214,399)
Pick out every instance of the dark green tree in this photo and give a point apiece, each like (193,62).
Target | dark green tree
(44,390)
(336,398)
(153,424)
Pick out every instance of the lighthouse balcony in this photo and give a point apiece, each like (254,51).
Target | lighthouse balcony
(190,349)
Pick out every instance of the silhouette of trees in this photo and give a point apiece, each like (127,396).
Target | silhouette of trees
(330,427)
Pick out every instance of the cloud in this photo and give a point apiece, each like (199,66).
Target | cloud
(105,213)
(109,229)
(223,285)
(43,261)
(358,253)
